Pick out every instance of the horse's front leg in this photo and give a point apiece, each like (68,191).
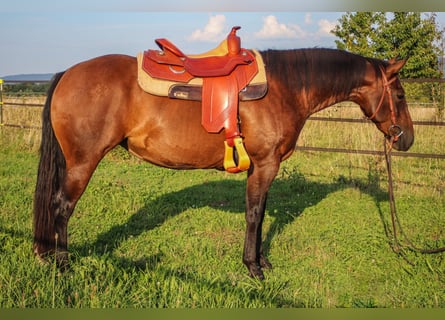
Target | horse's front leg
(258,184)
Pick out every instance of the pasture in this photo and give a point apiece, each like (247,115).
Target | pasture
(143,236)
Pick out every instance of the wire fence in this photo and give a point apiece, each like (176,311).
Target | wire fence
(440,106)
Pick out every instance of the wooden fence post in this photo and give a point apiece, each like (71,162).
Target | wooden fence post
(1,102)
(442,112)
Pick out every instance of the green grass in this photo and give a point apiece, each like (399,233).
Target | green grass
(143,236)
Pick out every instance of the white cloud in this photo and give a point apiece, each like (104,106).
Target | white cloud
(308,18)
(325,27)
(272,29)
(213,30)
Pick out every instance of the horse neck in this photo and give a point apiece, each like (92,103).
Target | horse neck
(321,94)
(319,100)
(318,78)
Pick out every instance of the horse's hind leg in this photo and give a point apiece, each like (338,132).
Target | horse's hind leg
(61,180)
(63,208)
(76,181)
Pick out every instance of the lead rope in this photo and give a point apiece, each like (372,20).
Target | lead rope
(397,247)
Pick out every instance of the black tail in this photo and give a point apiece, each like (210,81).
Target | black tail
(50,175)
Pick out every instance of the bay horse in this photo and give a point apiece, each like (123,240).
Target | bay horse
(97,105)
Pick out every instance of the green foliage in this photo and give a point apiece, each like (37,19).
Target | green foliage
(400,35)
(26,88)
(394,35)
(358,32)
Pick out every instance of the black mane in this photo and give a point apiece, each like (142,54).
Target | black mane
(332,71)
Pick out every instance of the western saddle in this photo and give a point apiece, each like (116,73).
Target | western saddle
(225,71)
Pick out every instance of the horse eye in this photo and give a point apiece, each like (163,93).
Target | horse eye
(401,95)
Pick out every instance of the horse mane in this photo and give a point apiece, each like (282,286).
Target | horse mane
(331,71)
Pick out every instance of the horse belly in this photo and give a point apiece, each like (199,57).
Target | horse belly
(179,148)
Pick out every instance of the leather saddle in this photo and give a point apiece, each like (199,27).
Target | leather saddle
(225,71)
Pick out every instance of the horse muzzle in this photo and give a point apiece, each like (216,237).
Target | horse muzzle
(402,138)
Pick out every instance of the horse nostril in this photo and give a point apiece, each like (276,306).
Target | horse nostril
(395,131)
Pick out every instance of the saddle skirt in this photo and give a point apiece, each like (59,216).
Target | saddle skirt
(192,89)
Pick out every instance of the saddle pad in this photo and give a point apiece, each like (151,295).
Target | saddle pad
(256,89)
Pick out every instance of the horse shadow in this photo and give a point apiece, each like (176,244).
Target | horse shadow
(289,195)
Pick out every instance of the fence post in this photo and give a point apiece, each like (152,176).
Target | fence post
(442,112)
(1,102)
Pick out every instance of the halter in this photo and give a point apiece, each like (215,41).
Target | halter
(394,131)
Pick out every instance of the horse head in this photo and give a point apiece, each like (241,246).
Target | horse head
(382,99)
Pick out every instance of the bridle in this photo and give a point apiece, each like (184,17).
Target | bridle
(394,131)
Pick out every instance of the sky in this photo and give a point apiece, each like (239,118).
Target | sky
(48,36)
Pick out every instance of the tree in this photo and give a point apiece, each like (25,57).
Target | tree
(358,32)
(394,35)
(400,35)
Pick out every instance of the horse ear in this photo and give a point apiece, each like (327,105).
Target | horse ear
(394,66)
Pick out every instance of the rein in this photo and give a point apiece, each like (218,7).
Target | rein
(397,247)
(394,132)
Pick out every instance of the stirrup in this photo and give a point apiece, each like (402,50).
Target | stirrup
(243,158)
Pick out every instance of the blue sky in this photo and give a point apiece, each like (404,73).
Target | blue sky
(39,37)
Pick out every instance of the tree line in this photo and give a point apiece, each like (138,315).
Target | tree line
(27,88)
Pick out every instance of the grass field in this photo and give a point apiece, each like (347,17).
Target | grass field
(143,236)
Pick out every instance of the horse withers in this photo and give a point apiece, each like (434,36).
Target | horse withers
(97,104)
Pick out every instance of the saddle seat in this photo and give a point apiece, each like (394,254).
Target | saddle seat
(225,71)
(173,64)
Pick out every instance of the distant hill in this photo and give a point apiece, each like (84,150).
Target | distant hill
(28,77)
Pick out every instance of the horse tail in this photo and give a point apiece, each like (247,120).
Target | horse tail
(50,176)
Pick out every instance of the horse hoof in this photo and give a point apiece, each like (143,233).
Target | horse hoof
(46,258)
(62,261)
(256,272)
(265,263)
(41,260)
(41,255)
